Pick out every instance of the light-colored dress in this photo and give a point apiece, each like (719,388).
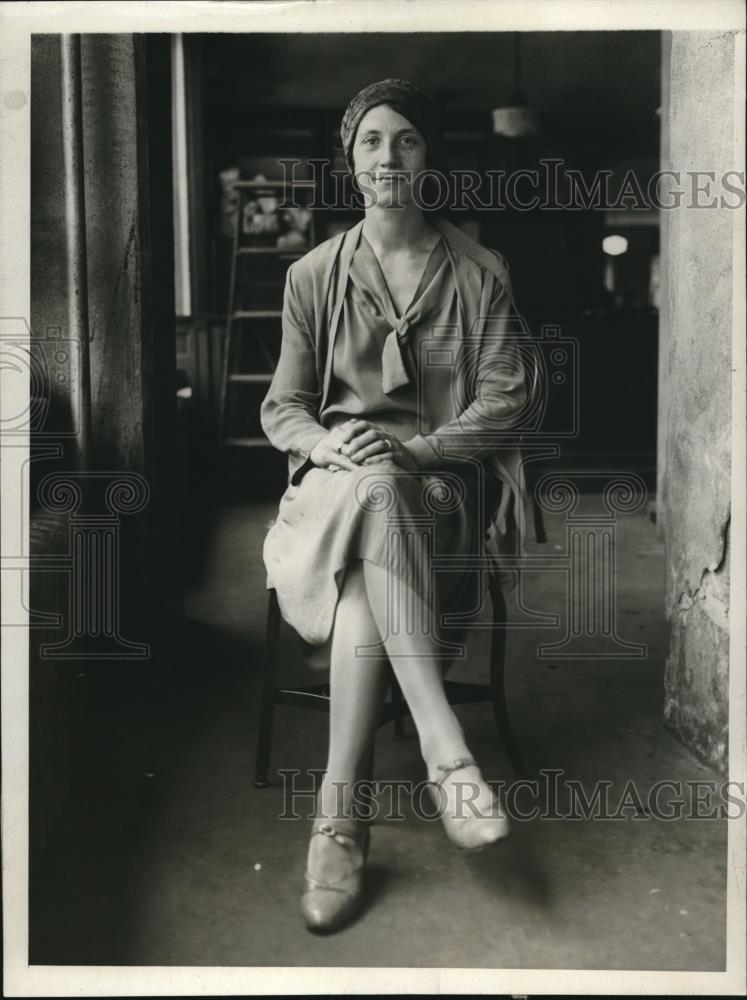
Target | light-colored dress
(392,371)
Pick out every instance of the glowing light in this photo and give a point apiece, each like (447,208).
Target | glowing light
(614,245)
(515,122)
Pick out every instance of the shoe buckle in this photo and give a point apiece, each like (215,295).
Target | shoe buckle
(337,835)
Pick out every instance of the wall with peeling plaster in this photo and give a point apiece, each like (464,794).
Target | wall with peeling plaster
(694,443)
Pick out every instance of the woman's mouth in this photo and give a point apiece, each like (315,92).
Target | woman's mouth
(389,175)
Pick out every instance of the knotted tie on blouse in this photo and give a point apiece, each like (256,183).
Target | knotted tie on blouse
(394,368)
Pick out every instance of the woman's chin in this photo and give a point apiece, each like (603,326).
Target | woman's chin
(389,199)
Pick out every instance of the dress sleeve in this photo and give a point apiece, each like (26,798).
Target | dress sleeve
(496,376)
(290,410)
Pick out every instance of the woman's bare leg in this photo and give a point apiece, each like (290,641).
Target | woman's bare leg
(407,635)
(357,683)
(357,690)
(467,805)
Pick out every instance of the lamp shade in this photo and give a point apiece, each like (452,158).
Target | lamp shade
(515,122)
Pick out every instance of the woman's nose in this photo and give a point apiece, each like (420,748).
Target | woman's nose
(388,154)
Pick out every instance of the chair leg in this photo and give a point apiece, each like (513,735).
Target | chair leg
(369,769)
(397,697)
(498,680)
(540,534)
(267,692)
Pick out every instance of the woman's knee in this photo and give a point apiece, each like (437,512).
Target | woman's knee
(384,487)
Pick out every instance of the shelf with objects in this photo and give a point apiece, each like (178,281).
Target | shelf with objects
(274,225)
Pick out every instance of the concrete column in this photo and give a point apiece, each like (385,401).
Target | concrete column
(698,119)
(125,96)
(663,374)
(127,140)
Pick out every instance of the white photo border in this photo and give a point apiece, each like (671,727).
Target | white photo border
(18,21)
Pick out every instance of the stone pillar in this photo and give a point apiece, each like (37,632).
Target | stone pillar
(125,97)
(127,135)
(663,357)
(698,119)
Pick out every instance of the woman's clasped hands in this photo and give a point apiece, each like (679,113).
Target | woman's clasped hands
(360,442)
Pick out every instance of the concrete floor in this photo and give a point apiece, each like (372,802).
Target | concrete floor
(196,869)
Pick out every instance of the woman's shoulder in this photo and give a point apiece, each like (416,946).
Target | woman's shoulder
(471,254)
(319,262)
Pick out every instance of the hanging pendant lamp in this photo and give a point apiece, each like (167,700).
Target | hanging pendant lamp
(516,120)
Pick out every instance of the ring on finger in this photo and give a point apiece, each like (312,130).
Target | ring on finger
(387,444)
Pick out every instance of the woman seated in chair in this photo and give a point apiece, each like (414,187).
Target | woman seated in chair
(396,378)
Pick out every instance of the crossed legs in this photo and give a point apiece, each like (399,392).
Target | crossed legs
(358,682)
(357,687)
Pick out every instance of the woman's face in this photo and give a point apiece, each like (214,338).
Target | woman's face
(388,153)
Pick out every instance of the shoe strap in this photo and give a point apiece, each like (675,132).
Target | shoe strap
(346,840)
(342,838)
(456,765)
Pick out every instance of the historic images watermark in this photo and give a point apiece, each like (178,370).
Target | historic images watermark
(550,796)
(552,185)
(487,360)
(84,507)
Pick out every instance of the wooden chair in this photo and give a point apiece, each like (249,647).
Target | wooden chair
(316,696)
